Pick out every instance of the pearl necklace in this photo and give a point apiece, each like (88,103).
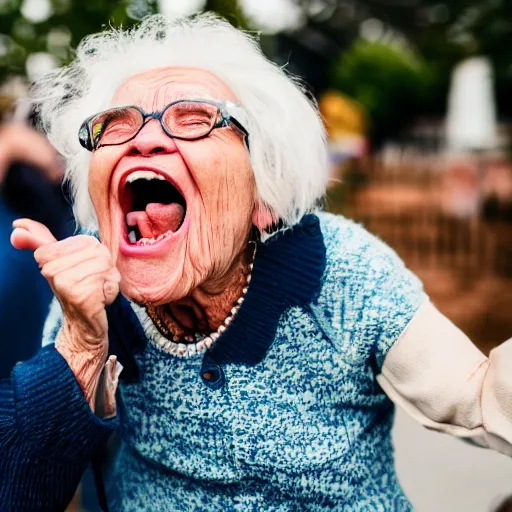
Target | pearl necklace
(161,335)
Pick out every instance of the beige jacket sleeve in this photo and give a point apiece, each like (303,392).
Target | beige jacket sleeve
(436,374)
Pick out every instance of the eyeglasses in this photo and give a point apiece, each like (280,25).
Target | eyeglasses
(182,119)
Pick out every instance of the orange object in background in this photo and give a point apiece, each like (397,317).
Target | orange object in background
(346,125)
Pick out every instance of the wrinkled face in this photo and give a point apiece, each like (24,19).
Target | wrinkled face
(191,200)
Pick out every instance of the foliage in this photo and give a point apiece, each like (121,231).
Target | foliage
(446,32)
(391,83)
(71,21)
(74,18)
(230,10)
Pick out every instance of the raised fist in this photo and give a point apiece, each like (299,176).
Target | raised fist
(80,272)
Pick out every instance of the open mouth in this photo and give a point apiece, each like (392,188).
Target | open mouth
(153,208)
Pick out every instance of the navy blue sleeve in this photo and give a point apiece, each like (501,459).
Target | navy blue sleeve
(48,434)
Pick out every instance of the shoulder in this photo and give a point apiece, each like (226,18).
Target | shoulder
(367,290)
(354,253)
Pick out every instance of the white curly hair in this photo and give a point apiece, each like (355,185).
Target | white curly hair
(287,139)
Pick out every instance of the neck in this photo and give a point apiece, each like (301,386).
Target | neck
(208,306)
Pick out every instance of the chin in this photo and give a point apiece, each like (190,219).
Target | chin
(148,293)
(155,281)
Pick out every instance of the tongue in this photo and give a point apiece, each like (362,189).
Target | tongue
(165,217)
(157,219)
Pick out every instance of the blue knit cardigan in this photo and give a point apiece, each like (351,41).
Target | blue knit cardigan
(290,417)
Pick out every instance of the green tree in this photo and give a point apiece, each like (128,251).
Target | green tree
(71,20)
(391,83)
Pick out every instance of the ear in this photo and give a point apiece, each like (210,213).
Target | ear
(262,216)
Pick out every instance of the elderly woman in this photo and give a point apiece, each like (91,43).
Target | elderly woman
(263,342)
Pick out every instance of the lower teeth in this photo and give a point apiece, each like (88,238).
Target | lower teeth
(147,241)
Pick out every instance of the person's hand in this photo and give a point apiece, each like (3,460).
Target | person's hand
(20,143)
(84,279)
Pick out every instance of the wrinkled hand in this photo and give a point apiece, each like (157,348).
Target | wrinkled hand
(84,279)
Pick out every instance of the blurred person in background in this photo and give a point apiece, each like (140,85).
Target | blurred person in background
(496,190)
(31,174)
(505,505)
(264,342)
(30,178)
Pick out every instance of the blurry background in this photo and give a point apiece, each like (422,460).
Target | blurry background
(416,99)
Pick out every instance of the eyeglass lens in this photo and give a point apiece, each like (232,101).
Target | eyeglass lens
(187,120)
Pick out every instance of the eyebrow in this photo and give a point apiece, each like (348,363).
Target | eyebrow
(175,97)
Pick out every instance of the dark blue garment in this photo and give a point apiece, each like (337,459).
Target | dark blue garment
(24,293)
(48,434)
(24,298)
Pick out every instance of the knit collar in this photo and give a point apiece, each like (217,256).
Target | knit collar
(287,272)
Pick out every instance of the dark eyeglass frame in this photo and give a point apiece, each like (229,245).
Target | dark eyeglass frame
(226,118)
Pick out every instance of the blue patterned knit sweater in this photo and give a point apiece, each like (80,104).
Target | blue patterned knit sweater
(292,417)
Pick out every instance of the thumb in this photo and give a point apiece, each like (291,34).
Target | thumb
(111,286)
(29,234)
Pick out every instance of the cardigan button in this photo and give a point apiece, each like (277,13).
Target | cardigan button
(212,374)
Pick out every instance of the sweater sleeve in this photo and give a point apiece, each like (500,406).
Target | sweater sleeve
(387,297)
(436,374)
(48,434)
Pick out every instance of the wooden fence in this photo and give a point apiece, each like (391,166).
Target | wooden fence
(410,210)
(464,261)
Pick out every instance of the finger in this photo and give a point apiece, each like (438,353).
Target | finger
(65,247)
(85,295)
(29,234)
(110,291)
(82,276)
(69,261)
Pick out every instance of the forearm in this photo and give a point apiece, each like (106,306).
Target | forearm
(440,378)
(48,434)
(85,360)
(31,482)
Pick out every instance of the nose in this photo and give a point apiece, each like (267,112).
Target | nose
(152,140)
